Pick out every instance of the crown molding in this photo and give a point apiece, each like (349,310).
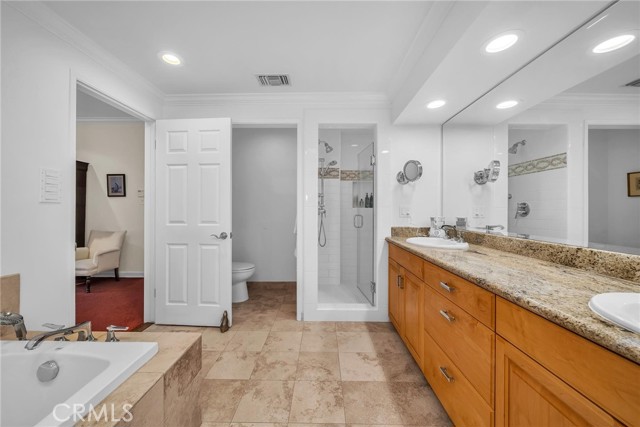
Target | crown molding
(42,15)
(109,119)
(307,99)
(582,99)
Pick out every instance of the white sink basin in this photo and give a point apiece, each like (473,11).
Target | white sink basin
(438,243)
(620,308)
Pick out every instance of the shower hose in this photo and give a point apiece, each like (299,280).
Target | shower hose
(322,236)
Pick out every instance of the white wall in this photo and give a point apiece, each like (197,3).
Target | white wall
(38,118)
(614,218)
(115,147)
(264,201)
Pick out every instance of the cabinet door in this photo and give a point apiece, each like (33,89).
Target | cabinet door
(529,395)
(396,302)
(413,297)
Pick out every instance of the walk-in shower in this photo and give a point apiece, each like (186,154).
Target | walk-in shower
(346,203)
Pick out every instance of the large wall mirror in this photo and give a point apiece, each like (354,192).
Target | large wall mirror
(566,148)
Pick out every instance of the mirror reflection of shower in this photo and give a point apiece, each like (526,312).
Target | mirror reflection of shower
(322,210)
(514,148)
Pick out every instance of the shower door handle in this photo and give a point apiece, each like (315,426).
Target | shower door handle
(358,221)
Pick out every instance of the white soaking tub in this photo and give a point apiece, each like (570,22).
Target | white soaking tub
(87,373)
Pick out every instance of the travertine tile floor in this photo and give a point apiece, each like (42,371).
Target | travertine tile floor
(271,370)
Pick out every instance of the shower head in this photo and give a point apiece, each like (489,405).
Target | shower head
(514,147)
(327,147)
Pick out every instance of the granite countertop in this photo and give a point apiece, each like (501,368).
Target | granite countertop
(557,293)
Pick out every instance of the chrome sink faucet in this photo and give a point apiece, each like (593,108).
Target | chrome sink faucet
(456,233)
(83,329)
(17,321)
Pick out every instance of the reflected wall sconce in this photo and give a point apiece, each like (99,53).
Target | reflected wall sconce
(490,174)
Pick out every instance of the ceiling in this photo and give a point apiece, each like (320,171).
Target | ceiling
(612,81)
(410,51)
(323,46)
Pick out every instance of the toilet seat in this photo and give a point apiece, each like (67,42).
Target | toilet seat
(242,266)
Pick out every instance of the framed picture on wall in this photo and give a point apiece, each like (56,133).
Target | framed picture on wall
(633,184)
(116,185)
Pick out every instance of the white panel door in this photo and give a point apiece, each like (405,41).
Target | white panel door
(193,185)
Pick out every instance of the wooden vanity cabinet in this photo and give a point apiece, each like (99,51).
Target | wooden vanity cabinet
(558,365)
(490,361)
(405,298)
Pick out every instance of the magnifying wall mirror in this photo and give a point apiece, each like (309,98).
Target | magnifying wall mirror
(411,172)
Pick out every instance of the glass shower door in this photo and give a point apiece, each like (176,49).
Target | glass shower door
(364,223)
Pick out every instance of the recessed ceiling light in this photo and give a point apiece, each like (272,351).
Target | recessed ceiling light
(506,104)
(170,58)
(354,145)
(502,42)
(614,43)
(436,104)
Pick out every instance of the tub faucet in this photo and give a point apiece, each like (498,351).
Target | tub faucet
(83,329)
(17,321)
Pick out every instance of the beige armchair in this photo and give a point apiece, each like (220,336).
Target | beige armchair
(101,254)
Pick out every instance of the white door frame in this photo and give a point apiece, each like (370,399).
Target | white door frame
(149,187)
(299,195)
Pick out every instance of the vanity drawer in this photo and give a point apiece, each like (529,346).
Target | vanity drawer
(407,260)
(473,299)
(466,341)
(607,379)
(462,402)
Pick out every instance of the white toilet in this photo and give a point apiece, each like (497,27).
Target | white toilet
(240,273)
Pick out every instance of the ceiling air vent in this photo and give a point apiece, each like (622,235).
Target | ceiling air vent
(635,83)
(273,80)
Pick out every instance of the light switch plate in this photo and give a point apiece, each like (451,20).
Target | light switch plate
(405,212)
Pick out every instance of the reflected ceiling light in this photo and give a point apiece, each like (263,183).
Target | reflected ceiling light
(502,42)
(354,145)
(170,58)
(436,104)
(506,104)
(614,43)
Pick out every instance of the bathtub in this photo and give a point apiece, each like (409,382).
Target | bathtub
(88,372)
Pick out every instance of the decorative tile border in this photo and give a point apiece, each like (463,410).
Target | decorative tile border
(557,161)
(332,173)
(356,175)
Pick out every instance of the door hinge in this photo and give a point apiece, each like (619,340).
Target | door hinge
(155,144)
(372,160)
(154,292)
(373,287)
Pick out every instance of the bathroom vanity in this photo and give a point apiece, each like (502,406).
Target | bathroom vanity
(505,339)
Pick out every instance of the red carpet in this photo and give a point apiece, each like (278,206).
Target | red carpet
(111,303)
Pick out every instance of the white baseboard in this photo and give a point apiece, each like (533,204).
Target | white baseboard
(126,274)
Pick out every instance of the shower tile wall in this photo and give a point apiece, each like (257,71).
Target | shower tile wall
(329,256)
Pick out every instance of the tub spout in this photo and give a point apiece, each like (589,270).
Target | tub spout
(83,329)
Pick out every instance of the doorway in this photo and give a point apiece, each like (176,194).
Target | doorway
(110,206)
(264,186)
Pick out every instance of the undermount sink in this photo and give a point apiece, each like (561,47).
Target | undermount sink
(438,243)
(620,308)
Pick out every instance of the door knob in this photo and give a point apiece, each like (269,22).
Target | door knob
(222,236)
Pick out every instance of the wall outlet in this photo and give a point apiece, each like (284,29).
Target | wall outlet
(405,212)
(477,212)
